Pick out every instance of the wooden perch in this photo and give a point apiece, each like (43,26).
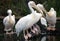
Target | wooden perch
(18,17)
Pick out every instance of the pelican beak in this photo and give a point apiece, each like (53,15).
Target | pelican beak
(37,8)
(49,14)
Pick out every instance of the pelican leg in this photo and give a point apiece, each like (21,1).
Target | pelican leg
(29,34)
(25,36)
(49,27)
(32,30)
(27,30)
(7,32)
(23,32)
(53,28)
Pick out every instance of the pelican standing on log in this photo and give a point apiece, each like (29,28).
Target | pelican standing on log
(9,21)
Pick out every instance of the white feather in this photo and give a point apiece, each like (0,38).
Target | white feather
(43,21)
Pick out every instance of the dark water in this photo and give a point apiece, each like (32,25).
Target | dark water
(38,38)
(47,38)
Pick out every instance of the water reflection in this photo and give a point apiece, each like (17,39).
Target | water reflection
(51,38)
(35,38)
(43,38)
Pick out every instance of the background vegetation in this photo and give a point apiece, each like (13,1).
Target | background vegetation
(20,7)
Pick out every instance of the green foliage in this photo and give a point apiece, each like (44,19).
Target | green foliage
(20,7)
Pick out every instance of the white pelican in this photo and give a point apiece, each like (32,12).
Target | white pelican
(9,21)
(28,20)
(50,16)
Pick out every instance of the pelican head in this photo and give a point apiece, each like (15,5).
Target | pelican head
(32,3)
(52,9)
(9,11)
(40,6)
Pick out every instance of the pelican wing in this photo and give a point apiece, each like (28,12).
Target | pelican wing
(43,21)
(5,20)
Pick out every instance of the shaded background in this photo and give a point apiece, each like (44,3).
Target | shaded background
(20,8)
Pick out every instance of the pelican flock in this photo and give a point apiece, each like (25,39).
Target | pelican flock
(29,21)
